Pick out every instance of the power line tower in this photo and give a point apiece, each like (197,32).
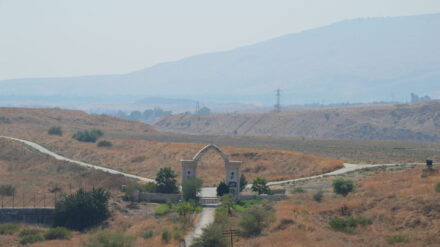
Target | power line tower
(278,105)
(197,108)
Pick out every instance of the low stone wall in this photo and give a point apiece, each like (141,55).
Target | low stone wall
(43,216)
(267,197)
(158,197)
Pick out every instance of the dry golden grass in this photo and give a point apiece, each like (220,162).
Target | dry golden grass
(397,203)
(143,157)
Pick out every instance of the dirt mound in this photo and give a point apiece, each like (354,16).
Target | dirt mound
(398,122)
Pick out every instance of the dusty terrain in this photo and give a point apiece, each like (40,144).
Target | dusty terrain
(34,174)
(145,157)
(396,201)
(398,122)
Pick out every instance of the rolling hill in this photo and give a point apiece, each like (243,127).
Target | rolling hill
(356,60)
(400,122)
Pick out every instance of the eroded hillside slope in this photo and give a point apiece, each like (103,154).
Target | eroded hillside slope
(399,122)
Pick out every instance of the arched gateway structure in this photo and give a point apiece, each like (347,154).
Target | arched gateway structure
(232,169)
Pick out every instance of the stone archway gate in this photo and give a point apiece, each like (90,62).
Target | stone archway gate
(232,169)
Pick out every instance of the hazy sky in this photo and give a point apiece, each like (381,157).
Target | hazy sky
(48,38)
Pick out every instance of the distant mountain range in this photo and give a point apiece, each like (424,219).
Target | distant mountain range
(356,60)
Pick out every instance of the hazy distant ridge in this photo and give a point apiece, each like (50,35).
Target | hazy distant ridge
(356,60)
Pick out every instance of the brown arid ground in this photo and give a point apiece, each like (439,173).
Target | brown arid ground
(398,202)
(35,174)
(145,157)
(375,122)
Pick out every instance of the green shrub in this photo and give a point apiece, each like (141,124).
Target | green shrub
(190,187)
(243,182)
(149,187)
(349,224)
(8,228)
(297,190)
(104,144)
(259,185)
(29,236)
(437,187)
(166,235)
(254,220)
(162,210)
(82,209)
(86,136)
(57,233)
(178,234)
(29,239)
(166,181)
(148,234)
(212,235)
(318,196)
(55,130)
(343,186)
(394,239)
(424,175)
(131,192)
(110,239)
(222,188)
(7,190)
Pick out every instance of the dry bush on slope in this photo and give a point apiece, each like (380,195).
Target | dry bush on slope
(397,203)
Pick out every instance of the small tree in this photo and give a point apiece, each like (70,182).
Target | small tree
(7,190)
(254,220)
(104,144)
(82,209)
(55,130)
(343,186)
(243,182)
(259,185)
(222,188)
(190,187)
(166,181)
(212,236)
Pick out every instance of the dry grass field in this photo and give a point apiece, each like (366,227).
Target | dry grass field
(145,157)
(398,202)
(374,122)
(34,174)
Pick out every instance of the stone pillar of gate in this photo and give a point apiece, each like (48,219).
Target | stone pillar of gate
(233,177)
(189,169)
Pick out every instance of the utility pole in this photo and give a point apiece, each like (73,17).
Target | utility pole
(278,105)
(230,234)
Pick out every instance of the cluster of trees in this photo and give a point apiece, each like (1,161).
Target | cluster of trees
(223,188)
(82,209)
(148,116)
(87,136)
(55,130)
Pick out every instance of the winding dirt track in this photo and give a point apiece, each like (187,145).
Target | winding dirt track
(207,214)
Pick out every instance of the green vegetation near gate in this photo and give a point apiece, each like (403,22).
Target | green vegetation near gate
(55,130)
(29,236)
(254,220)
(222,188)
(82,209)
(88,136)
(212,236)
(110,239)
(259,185)
(343,186)
(8,228)
(166,181)
(7,190)
(190,187)
(57,233)
(104,144)
(349,224)
(395,239)
(243,182)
